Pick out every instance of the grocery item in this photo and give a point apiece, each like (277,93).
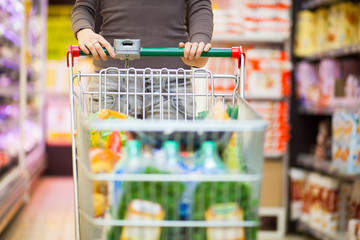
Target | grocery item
(173,164)
(346,142)
(322,149)
(142,210)
(343,23)
(354,229)
(153,192)
(133,162)
(99,201)
(329,72)
(307,81)
(304,42)
(225,212)
(298,179)
(209,161)
(321,16)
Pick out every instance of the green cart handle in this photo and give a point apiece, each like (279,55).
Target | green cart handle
(234,52)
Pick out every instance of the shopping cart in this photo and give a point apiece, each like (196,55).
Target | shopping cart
(155,201)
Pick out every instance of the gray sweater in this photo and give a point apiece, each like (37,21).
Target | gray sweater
(158,23)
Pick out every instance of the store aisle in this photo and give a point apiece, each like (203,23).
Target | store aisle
(48,215)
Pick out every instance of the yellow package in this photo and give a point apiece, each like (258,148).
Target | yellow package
(343,21)
(142,210)
(225,212)
(348,24)
(305,34)
(321,16)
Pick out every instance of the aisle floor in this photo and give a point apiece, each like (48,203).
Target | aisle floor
(49,214)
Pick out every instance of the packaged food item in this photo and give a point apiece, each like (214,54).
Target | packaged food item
(343,20)
(142,210)
(345,142)
(329,71)
(321,16)
(298,179)
(307,81)
(304,42)
(99,202)
(354,229)
(225,212)
(344,205)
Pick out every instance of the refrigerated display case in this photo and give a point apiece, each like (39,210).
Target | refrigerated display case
(22,56)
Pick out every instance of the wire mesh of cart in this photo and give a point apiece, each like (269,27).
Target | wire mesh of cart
(152,159)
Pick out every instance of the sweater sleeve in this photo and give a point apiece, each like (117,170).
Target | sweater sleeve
(83,15)
(200,20)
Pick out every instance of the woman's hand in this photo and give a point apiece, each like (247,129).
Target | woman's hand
(88,40)
(192,53)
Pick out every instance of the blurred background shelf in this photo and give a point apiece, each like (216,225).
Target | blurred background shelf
(309,4)
(328,110)
(324,166)
(341,52)
(251,38)
(305,228)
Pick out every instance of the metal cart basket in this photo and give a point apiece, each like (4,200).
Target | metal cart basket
(154,200)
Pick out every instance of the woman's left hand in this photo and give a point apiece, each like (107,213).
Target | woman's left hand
(192,53)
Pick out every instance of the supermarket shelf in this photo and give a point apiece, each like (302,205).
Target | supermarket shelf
(323,166)
(304,227)
(318,3)
(12,192)
(274,155)
(9,177)
(341,52)
(328,110)
(250,38)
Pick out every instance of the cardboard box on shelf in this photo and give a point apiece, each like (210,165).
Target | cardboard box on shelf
(272,188)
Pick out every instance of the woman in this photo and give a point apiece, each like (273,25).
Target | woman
(186,24)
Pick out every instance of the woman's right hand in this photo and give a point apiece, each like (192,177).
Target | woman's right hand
(88,40)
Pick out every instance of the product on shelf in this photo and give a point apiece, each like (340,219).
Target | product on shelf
(331,82)
(326,29)
(323,141)
(343,24)
(354,229)
(267,74)
(276,114)
(328,205)
(251,18)
(346,142)
(304,42)
(298,178)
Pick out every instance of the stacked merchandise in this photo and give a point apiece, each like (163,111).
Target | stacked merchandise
(267,77)
(120,152)
(346,142)
(330,82)
(276,113)
(325,204)
(250,18)
(326,29)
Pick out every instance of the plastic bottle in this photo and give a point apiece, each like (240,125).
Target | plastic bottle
(174,164)
(132,163)
(209,161)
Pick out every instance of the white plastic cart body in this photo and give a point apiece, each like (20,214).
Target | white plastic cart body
(240,186)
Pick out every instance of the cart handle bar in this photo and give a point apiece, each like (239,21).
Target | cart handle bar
(234,52)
